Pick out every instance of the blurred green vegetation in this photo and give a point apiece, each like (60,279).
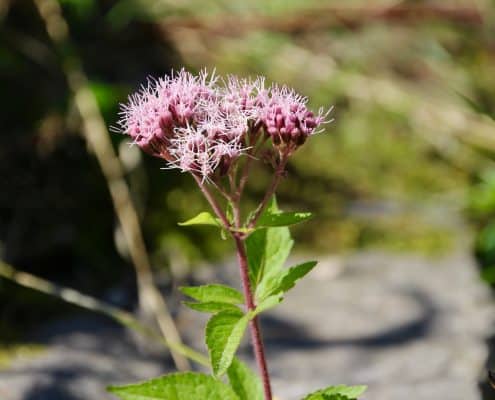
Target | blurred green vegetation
(394,170)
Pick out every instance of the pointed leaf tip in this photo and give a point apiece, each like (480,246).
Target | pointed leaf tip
(203,218)
(283,219)
(269,302)
(215,293)
(339,392)
(283,280)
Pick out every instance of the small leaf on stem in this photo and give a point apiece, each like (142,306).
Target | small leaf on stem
(267,303)
(282,219)
(211,307)
(267,248)
(340,392)
(267,251)
(203,218)
(215,293)
(282,281)
(244,381)
(224,332)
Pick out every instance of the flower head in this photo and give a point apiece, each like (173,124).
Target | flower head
(153,114)
(287,119)
(201,127)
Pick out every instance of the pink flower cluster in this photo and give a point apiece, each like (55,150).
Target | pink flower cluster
(202,127)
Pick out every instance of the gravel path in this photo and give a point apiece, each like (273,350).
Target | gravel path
(407,326)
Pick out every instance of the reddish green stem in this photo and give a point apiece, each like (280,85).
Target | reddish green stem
(254,326)
(270,192)
(213,202)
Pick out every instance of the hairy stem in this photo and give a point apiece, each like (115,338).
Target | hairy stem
(256,145)
(254,326)
(270,192)
(213,202)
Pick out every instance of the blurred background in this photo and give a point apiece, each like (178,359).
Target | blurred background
(402,183)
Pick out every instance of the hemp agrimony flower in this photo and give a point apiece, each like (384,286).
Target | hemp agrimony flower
(215,130)
(201,127)
(160,116)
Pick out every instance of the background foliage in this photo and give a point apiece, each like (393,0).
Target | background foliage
(411,144)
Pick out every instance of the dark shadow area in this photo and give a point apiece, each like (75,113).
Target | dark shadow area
(283,334)
(56,217)
(62,383)
(86,349)
(49,392)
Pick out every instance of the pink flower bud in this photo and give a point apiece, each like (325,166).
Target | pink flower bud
(285,116)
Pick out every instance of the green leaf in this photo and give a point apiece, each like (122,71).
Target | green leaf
(340,392)
(293,274)
(211,307)
(245,382)
(179,386)
(269,302)
(267,249)
(224,332)
(203,218)
(215,293)
(283,281)
(282,219)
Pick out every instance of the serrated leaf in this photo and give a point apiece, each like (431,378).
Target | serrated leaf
(322,396)
(269,302)
(210,307)
(215,293)
(283,281)
(267,248)
(224,332)
(244,381)
(203,218)
(339,392)
(282,219)
(179,386)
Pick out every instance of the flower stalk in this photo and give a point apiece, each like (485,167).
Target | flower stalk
(254,325)
(239,237)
